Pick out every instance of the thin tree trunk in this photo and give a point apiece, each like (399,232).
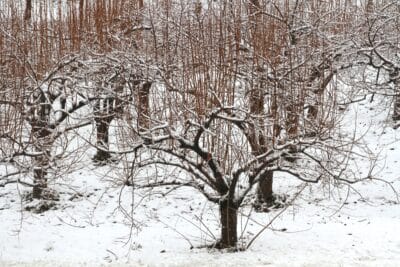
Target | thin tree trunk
(228,216)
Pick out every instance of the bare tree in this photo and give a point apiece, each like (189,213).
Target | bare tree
(48,79)
(234,81)
(380,47)
(112,87)
(289,49)
(229,92)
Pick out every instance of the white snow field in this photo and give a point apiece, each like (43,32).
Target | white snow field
(356,225)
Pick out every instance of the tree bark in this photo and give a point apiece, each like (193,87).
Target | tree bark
(396,108)
(258,138)
(102,141)
(259,145)
(28,10)
(395,77)
(81,15)
(42,143)
(143,107)
(228,216)
(313,110)
(103,116)
(39,177)
(265,193)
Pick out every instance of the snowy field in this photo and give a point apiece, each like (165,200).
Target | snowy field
(98,224)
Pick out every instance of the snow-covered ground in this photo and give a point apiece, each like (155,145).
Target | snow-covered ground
(355,225)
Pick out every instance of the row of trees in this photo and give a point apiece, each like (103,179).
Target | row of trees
(229,92)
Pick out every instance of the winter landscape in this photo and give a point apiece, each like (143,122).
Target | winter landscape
(199,133)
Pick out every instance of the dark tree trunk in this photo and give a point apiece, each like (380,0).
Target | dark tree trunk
(258,135)
(265,193)
(394,77)
(143,106)
(396,104)
(292,120)
(396,108)
(102,142)
(28,10)
(40,179)
(313,110)
(104,114)
(81,13)
(105,111)
(228,212)
(259,145)
(43,143)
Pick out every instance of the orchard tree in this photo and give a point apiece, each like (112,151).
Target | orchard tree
(380,48)
(243,90)
(52,71)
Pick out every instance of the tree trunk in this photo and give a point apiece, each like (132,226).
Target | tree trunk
(396,108)
(28,10)
(104,114)
(396,104)
(102,144)
(42,143)
(313,110)
(81,14)
(228,212)
(258,138)
(40,179)
(264,189)
(143,119)
(312,115)
(259,145)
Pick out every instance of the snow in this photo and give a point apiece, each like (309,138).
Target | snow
(99,223)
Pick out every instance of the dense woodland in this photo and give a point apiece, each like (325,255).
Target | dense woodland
(214,95)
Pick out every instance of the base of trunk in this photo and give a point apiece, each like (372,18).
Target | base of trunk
(265,193)
(40,181)
(396,117)
(101,157)
(275,202)
(291,156)
(220,245)
(102,126)
(228,215)
(43,193)
(37,191)
(266,199)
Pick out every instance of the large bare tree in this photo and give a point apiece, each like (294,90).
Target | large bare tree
(244,90)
